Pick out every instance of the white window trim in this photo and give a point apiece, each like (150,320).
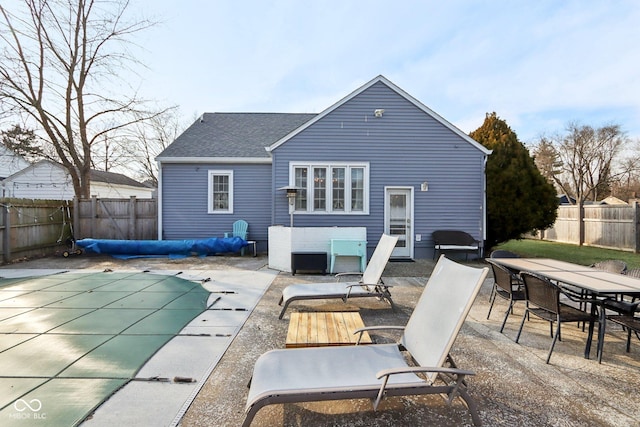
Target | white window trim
(211,174)
(329,188)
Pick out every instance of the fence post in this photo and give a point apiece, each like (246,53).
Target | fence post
(6,236)
(132,218)
(636,226)
(77,233)
(94,215)
(580,224)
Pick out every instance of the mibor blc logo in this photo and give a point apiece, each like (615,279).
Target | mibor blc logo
(28,410)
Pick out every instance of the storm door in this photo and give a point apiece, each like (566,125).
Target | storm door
(398,219)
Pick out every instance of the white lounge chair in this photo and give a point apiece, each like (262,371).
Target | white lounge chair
(379,370)
(369,285)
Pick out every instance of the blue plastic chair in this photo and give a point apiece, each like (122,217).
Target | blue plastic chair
(240,229)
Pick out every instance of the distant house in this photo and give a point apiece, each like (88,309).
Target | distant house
(563,199)
(611,200)
(49,180)
(378,159)
(10,162)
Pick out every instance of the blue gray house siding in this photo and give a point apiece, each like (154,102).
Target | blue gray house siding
(405,147)
(185,197)
(408,145)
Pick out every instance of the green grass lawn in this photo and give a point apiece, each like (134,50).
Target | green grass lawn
(584,255)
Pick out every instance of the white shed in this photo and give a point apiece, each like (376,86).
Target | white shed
(49,180)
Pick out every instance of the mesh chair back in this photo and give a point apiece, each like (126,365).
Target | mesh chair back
(634,272)
(441,310)
(373,272)
(612,266)
(502,277)
(500,253)
(541,292)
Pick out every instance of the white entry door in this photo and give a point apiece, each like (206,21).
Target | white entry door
(398,219)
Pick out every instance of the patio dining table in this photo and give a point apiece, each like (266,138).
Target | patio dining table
(598,284)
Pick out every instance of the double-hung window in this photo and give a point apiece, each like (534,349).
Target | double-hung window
(337,188)
(220,191)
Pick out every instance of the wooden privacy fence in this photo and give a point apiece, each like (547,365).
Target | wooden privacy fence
(605,226)
(43,227)
(122,219)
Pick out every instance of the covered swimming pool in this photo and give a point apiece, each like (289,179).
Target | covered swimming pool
(69,341)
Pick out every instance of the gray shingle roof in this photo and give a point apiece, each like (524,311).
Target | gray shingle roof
(234,134)
(115,178)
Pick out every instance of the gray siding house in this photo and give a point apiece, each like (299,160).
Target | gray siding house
(378,159)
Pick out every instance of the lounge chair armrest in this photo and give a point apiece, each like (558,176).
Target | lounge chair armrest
(339,275)
(416,369)
(369,288)
(382,285)
(360,331)
(386,373)
(378,328)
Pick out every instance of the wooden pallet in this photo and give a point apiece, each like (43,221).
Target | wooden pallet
(317,329)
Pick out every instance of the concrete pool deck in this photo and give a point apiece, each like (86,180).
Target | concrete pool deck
(512,385)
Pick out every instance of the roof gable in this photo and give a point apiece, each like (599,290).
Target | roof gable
(233,135)
(115,179)
(390,85)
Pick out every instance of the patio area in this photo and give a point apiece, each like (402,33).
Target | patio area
(512,385)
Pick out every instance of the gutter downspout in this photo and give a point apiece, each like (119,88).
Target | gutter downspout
(159,200)
(484,201)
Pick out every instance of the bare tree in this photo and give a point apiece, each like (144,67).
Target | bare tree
(59,62)
(107,154)
(149,138)
(547,159)
(627,184)
(587,157)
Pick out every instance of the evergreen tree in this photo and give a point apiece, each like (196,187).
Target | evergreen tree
(22,141)
(519,198)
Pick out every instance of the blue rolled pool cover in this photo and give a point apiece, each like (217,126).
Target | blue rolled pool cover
(200,247)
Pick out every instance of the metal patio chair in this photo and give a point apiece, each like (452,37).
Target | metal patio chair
(543,301)
(506,285)
(629,323)
(501,253)
(611,265)
(623,306)
(626,311)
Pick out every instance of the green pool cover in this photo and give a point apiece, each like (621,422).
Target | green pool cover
(68,341)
